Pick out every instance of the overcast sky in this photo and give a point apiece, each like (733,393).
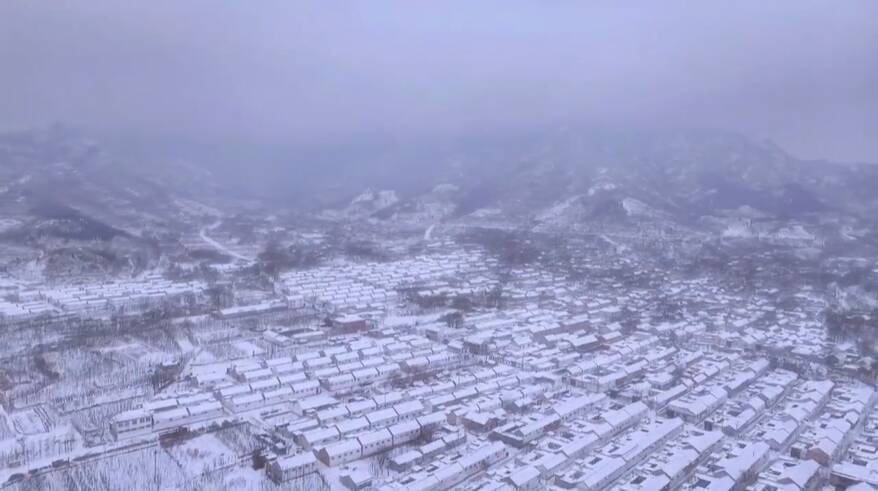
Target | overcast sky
(804,73)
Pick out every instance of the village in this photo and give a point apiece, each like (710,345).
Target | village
(438,246)
(436,372)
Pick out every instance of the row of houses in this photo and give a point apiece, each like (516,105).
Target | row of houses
(608,423)
(669,466)
(702,398)
(599,469)
(790,475)
(747,407)
(133,294)
(359,286)
(731,467)
(826,438)
(447,475)
(860,465)
(398,413)
(425,452)
(378,440)
(165,415)
(804,402)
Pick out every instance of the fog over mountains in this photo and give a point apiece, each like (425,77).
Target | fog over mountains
(680,174)
(327,74)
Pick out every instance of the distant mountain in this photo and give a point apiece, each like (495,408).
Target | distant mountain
(55,183)
(61,194)
(597,177)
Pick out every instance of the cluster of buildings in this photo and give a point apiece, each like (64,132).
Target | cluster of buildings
(859,464)
(165,415)
(519,380)
(131,295)
(93,299)
(23,309)
(360,287)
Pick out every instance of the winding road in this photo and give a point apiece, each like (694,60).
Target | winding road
(220,247)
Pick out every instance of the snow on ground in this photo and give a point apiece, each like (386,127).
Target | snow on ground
(245,477)
(380,199)
(634,207)
(195,208)
(28,422)
(394,320)
(605,186)
(737,230)
(8,223)
(247,347)
(558,210)
(183,342)
(220,247)
(204,364)
(620,247)
(202,454)
(794,232)
(485,213)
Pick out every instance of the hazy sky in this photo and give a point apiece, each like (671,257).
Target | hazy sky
(804,73)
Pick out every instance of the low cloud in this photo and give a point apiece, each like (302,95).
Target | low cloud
(800,72)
